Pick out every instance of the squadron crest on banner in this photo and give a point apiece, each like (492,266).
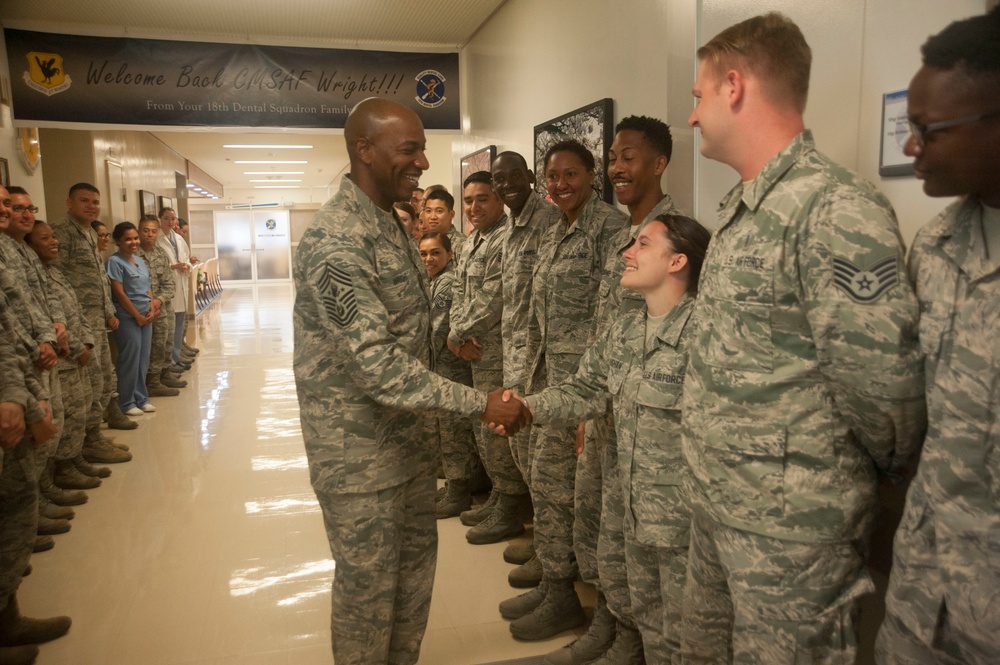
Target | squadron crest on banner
(430,89)
(46,73)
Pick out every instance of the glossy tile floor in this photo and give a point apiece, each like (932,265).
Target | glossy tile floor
(209,546)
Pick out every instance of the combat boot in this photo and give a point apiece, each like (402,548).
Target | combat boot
(116,419)
(88,469)
(43,544)
(56,495)
(155,388)
(68,477)
(474,516)
(519,553)
(48,527)
(187,357)
(99,433)
(22,655)
(626,649)
(192,350)
(592,644)
(171,380)
(16,630)
(519,606)
(97,449)
(526,575)
(560,610)
(456,499)
(503,522)
(52,511)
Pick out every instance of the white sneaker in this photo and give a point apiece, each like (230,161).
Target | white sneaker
(147,408)
(134,411)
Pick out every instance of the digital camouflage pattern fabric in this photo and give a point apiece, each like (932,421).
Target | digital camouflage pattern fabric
(945,579)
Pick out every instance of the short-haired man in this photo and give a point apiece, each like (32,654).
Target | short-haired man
(941,604)
(81,263)
(417,199)
(530,215)
(439,215)
(476,315)
(805,380)
(366,396)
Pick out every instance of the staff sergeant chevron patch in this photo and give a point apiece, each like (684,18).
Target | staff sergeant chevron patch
(866,285)
(337,292)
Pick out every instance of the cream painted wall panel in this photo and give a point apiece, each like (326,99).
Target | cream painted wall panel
(68,158)
(835,32)
(892,56)
(537,59)
(147,164)
(18,174)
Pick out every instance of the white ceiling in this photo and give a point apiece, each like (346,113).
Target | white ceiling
(377,24)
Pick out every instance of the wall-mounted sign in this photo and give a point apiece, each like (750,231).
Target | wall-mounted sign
(895,134)
(72,78)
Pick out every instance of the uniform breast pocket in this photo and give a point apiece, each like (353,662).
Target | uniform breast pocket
(738,308)
(399,283)
(934,323)
(741,466)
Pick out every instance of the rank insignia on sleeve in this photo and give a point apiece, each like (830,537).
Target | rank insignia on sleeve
(866,285)
(337,291)
(442,302)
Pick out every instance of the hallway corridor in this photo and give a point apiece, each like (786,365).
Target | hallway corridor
(209,547)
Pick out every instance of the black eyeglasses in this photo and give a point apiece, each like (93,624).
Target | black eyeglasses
(21,208)
(103,235)
(920,130)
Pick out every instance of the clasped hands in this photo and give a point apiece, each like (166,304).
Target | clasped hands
(506,412)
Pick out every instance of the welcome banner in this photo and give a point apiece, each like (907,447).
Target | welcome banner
(74,78)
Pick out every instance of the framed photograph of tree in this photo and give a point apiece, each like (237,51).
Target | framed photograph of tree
(593,126)
(147,203)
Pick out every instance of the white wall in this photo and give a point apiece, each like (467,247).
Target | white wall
(892,56)
(19,175)
(537,59)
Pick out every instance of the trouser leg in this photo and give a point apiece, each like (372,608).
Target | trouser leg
(587,506)
(18,515)
(385,546)
(129,340)
(494,450)
(611,539)
(175,352)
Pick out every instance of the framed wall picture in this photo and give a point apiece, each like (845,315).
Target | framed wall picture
(147,203)
(480,160)
(4,172)
(593,126)
(895,133)
(166,202)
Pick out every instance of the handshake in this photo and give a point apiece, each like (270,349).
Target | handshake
(506,412)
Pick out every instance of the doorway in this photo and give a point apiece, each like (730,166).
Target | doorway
(254,245)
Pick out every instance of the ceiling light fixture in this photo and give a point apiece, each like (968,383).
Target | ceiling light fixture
(272,161)
(274,173)
(296,147)
(274,180)
(277,187)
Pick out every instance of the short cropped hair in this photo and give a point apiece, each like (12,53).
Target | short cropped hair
(771,48)
(121,228)
(14,189)
(972,44)
(654,131)
(575,147)
(484,177)
(442,195)
(83,186)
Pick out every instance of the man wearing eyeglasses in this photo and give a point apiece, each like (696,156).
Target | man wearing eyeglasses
(942,605)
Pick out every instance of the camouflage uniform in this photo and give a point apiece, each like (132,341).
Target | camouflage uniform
(645,387)
(520,253)
(36,319)
(804,380)
(599,541)
(81,263)
(945,574)
(18,474)
(459,456)
(476,312)
(366,398)
(161,277)
(73,379)
(564,297)
(458,240)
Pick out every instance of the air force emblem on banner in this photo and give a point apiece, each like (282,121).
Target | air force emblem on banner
(337,292)
(430,88)
(866,285)
(46,74)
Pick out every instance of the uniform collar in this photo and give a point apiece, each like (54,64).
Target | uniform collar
(669,330)
(959,234)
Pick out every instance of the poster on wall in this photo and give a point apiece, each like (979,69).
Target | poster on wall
(593,126)
(153,82)
(895,134)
